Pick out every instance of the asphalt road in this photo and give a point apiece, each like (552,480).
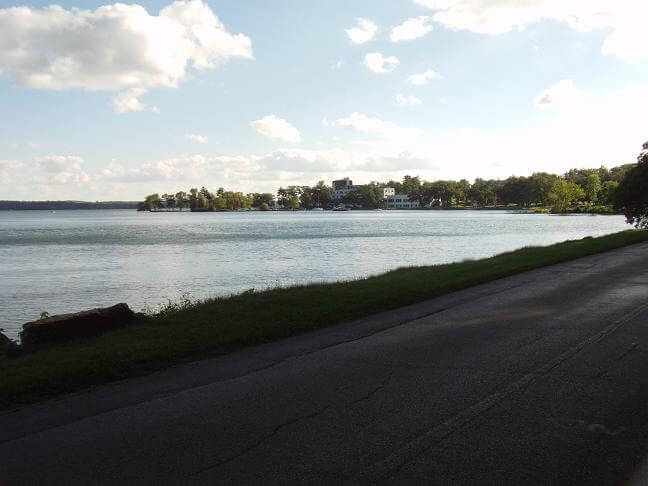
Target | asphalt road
(541,378)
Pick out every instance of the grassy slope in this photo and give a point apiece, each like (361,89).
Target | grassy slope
(219,326)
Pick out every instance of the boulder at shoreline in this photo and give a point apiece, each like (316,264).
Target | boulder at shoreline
(7,346)
(81,324)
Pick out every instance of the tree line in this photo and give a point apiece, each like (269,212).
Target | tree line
(204,200)
(588,189)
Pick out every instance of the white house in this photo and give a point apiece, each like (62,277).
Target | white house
(401,201)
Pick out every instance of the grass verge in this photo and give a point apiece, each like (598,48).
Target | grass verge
(191,331)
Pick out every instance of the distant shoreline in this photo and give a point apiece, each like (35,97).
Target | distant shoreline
(64,205)
(132,205)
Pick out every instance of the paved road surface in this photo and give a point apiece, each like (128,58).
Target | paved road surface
(541,378)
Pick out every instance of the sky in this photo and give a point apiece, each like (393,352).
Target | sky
(102,101)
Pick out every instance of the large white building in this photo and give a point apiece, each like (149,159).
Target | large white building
(401,201)
(391,200)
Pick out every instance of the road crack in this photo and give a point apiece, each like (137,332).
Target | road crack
(276,430)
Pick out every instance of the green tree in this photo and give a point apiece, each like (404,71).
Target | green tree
(563,194)
(412,187)
(193,198)
(592,187)
(307,198)
(202,201)
(517,190)
(484,192)
(151,202)
(293,202)
(607,195)
(169,201)
(181,199)
(632,193)
(369,196)
(286,196)
(462,189)
(322,194)
(618,173)
(438,193)
(261,198)
(541,184)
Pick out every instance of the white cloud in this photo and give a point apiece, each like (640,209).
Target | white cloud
(8,170)
(183,168)
(411,29)
(366,124)
(59,163)
(196,138)
(338,65)
(372,125)
(628,39)
(562,93)
(128,101)
(61,169)
(364,31)
(114,48)
(423,78)
(403,100)
(276,128)
(378,63)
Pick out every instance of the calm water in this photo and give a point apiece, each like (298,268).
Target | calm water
(73,260)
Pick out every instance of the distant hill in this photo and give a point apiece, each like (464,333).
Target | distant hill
(60,205)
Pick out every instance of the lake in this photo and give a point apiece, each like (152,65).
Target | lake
(68,261)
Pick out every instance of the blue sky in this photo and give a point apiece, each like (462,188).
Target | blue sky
(114,102)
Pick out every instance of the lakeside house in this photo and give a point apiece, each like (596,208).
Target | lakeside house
(391,200)
(401,201)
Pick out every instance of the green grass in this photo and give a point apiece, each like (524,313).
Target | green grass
(191,331)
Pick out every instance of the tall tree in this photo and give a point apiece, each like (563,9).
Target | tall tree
(484,192)
(412,187)
(323,194)
(607,195)
(541,185)
(261,198)
(592,187)
(181,200)
(438,193)
(563,194)
(632,193)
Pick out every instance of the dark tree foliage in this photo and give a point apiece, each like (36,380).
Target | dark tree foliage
(259,199)
(367,197)
(632,193)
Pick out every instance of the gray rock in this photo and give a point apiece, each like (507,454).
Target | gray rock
(81,324)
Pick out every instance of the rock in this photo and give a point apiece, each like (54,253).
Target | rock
(80,324)
(7,346)
(4,340)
